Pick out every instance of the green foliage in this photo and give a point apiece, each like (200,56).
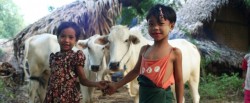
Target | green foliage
(247,2)
(1,52)
(127,15)
(5,93)
(1,86)
(204,62)
(11,21)
(131,12)
(213,87)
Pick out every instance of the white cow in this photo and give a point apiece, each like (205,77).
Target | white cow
(98,55)
(124,49)
(96,62)
(37,51)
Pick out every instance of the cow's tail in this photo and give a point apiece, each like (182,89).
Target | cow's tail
(25,60)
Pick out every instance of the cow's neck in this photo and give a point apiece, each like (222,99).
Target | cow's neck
(133,57)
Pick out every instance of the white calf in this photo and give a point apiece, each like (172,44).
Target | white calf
(98,55)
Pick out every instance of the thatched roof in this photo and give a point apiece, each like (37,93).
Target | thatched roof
(194,12)
(93,16)
(191,17)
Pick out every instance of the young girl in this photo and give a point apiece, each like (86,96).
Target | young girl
(165,59)
(66,66)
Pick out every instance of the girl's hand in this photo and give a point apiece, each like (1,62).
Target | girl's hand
(102,84)
(111,88)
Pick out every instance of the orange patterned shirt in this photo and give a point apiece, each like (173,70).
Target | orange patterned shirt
(155,70)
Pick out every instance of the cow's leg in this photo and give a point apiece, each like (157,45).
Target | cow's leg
(38,82)
(33,86)
(85,94)
(93,77)
(43,87)
(41,92)
(88,91)
(136,99)
(33,82)
(91,92)
(100,75)
(194,85)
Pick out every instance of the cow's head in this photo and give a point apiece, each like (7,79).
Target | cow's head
(121,41)
(95,51)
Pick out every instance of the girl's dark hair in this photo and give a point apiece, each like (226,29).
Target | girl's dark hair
(65,25)
(168,13)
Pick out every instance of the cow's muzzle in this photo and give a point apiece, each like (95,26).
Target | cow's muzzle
(95,68)
(114,66)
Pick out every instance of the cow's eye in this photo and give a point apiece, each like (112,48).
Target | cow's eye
(126,40)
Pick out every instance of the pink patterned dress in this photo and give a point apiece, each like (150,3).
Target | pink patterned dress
(62,87)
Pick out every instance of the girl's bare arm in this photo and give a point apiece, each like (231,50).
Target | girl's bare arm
(177,66)
(84,81)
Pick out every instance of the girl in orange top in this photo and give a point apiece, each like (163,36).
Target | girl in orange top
(159,65)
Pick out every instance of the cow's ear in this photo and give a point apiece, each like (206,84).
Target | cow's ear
(102,40)
(134,39)
(82,44)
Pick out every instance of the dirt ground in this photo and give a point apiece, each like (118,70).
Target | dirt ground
(14,92)
(121,96)
(19,94)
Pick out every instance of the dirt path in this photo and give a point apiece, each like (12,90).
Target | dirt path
(121,96)
(19,94)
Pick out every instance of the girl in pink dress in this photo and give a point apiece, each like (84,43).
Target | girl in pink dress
(66,67)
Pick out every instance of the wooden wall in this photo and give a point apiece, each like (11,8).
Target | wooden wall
(230,27)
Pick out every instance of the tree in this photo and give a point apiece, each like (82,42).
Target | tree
(11,22)
(247,2)
(138,10)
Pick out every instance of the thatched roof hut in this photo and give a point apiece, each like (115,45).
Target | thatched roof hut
(220,29)
(93,16)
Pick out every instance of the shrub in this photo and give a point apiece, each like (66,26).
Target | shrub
(5,93)
(222,87)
